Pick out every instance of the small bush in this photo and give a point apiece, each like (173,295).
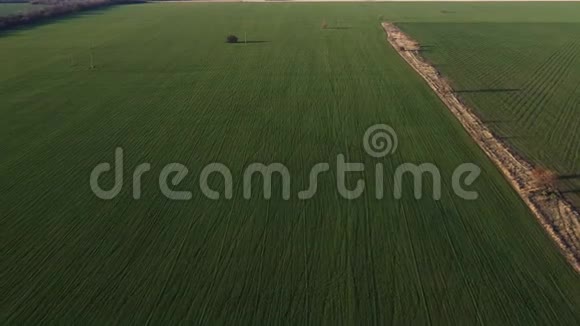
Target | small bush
(232,39)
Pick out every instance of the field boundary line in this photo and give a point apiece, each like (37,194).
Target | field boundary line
(557,216)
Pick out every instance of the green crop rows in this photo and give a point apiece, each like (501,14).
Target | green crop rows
(166,88)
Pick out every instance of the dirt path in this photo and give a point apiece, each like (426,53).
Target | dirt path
(557,216)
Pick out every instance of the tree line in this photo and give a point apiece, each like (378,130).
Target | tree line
(54,9)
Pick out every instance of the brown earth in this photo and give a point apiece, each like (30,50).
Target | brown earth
(558,217)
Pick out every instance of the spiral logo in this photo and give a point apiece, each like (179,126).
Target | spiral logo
(380,140)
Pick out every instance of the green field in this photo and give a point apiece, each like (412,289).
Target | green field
(166,88)
(524,80)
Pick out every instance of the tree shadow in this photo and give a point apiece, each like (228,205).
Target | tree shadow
(488,90)
(497,120)
(338,28)
(512,137)
(571,191)
(251,42)
(569,176)
(256,42)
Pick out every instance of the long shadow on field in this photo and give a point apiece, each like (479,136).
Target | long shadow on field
(252,42)
(569,184)
(425,48)
(488,90)
(512,137)
(569,176)
(497,121)
(571,191)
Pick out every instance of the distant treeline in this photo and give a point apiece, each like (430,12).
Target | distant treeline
(53,9)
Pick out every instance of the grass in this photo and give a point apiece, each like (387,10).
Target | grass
(523,79)
(167,88)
